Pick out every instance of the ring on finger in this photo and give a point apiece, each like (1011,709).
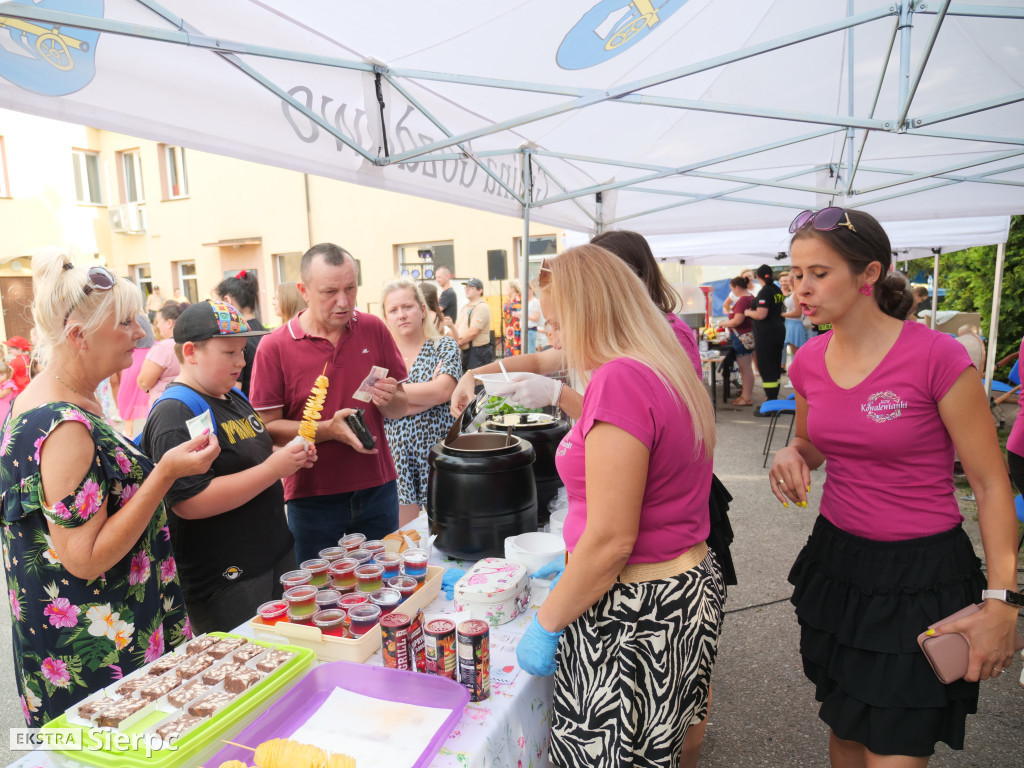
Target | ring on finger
(780,481)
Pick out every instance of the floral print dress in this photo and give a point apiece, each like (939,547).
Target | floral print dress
(72,636)
(513,337)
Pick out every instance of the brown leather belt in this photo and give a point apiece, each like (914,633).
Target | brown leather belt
(634,573)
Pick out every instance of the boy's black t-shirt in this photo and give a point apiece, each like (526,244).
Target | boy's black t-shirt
(772,298)
(237,544)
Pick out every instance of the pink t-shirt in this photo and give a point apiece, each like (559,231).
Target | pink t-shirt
(889,471)
(162,353)
(1015,442)
(674,513)
(687,340)
(8,391)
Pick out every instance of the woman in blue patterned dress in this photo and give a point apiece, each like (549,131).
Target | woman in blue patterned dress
(435,365)
(92,585)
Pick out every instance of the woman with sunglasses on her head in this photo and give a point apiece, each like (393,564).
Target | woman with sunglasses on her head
(630,630)
(93,585)
(888,556)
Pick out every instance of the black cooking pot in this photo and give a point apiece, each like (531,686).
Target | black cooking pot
(480,491)
(544,433)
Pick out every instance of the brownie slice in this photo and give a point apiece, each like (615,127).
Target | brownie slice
(117,713)
(89,709)
(210,703)
(165,663)
(194,666)
(191,690)
(130,686)
(217,674)
(178,726)
(273,660)
(244,678)
(226,646)
(160,687)
(248,651)
(200,644)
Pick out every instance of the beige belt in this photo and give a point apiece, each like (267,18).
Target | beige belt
(638,572)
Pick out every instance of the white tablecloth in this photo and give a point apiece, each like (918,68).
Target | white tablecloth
(508,730)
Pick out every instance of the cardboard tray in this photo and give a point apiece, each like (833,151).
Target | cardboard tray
(328,648)
(202,737)
(306,697)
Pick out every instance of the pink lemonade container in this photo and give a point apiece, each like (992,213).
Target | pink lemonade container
(344,573)
(273,612)
(363,618)
(318,571)
(414,562)
(352,542)
(405,585)
(369,577)
(301,600)
(392,563)
(295,578)
(374,546)
(330,554)
(386,599)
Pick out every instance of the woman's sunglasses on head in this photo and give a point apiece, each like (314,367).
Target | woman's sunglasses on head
(96,279)
(824,220)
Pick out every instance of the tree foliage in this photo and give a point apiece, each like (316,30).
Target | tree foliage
(969,279)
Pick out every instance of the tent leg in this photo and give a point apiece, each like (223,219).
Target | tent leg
(524,256)
(993,326)
(935,287)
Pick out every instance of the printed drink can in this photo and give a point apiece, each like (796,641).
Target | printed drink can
(440,648)
(474,651)
(417,649)
(394,629)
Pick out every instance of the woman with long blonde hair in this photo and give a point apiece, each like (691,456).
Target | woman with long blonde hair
(631,629)
(434,363)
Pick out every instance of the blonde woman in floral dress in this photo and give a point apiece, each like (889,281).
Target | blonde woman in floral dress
(92,584)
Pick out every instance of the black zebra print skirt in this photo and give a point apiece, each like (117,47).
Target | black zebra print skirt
(634,671)
(861,605)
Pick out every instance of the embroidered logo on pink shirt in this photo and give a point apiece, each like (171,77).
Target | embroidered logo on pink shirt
(884,406)
(565,445)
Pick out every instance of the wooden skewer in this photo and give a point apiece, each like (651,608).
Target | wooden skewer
(240,746)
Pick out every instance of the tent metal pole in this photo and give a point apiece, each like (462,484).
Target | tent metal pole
(912,89)
(935,286)
(599,205)
(524,254)
(979,161)
(993,326)
(906,24)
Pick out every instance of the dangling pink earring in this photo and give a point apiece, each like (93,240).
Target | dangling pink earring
(866,289)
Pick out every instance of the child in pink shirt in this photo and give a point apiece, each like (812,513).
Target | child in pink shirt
(8,390)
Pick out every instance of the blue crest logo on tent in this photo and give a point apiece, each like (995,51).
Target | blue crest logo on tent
(611,27)
(49,59)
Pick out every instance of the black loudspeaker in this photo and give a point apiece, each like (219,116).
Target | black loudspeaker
(496,269)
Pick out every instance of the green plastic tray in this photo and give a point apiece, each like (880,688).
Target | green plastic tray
(203,736)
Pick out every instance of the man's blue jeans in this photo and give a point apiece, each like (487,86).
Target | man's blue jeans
(317,522)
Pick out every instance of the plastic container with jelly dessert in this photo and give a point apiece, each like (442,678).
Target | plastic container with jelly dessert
(200,742)
(346,649)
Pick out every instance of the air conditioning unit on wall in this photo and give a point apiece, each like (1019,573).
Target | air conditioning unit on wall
(128,219)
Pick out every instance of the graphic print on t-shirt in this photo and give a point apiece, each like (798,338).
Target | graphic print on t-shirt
(565,445)
(884,406)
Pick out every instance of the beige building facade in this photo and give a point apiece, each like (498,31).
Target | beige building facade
(181,220)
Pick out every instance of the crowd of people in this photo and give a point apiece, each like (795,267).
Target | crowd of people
(116,549)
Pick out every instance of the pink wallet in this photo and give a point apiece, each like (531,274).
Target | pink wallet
(949,654)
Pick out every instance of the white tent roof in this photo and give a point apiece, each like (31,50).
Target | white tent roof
(686,115)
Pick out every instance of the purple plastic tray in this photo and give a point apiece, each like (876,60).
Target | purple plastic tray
(301,702)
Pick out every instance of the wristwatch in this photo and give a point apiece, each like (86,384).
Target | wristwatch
(1006,595)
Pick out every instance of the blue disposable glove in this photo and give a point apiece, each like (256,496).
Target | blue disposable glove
(555,568)
(448,581)
(536,650)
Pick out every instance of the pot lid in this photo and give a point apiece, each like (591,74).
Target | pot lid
(516,420)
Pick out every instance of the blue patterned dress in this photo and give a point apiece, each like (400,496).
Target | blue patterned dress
(72,636)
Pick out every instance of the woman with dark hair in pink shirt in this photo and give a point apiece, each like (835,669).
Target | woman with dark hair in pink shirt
(888,556)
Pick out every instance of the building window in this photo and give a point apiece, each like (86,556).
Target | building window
(287,266)
(188,281)
(419,260)
(144,278)
(5,190)
(88,189)
(541,246)
(129,176)
(173,173)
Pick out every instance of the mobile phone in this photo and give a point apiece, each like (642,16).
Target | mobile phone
(357,424)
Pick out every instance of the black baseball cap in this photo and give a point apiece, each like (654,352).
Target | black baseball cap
(210,319)
(476,282)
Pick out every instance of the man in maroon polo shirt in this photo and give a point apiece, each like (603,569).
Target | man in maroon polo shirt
(350,489)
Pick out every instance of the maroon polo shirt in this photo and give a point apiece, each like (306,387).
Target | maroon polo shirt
(286,366)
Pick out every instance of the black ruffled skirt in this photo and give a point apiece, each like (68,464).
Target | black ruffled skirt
(861,605)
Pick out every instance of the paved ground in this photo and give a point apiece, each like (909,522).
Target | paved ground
(763,713)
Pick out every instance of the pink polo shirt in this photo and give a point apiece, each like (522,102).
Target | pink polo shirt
(889,458)
(674,511)
(287,363)
(1015,442)
(687,340)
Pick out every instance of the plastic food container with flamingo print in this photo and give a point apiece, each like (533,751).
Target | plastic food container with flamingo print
(494,590)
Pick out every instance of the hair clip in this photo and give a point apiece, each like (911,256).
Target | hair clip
(241,275)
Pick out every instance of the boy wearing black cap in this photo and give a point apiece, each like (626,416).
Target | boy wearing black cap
(769,332)
(228,529)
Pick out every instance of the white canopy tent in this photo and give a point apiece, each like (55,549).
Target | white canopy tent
(664,116)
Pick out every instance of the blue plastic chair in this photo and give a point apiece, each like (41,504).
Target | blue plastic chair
(776,408)
(1014,380)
